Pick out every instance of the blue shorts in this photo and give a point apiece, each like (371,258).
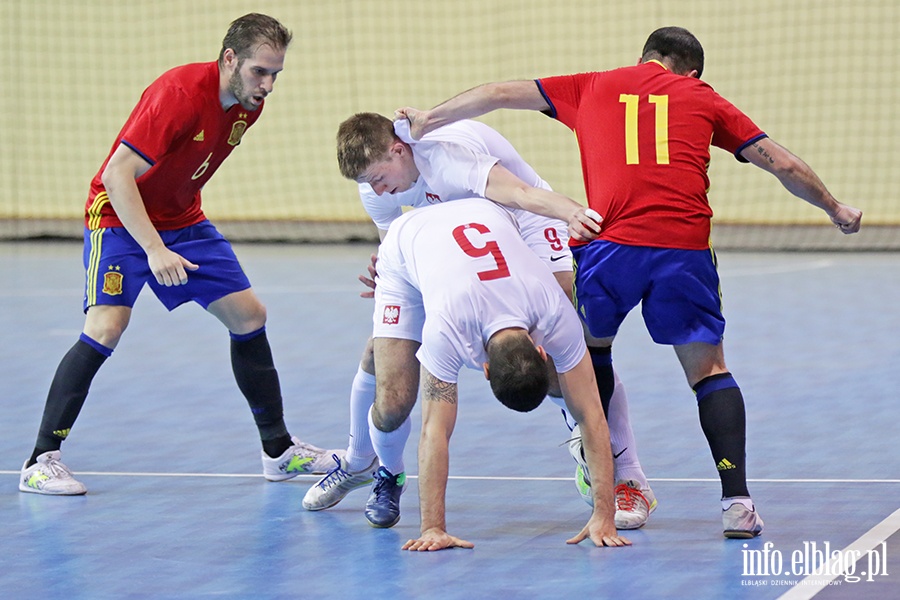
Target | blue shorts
(678,290)
(116,267)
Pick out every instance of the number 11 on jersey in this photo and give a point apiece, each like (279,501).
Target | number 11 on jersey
(661,103)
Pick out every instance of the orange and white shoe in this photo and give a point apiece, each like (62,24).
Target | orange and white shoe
(633,504)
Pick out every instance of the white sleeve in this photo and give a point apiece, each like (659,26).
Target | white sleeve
(438,353)
(380,209)
(565,342)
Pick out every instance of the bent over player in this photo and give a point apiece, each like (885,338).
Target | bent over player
(144,225)
(456,286)
(644,134)
(465,160)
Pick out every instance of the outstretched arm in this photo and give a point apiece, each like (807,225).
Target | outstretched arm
(583,400)
(438,420)
(503,187)
(800,180)
(522,94)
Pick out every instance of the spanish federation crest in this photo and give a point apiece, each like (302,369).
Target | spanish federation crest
(238,129)
(112,283)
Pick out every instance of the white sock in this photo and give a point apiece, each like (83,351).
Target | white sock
(625,458)
(390,446)
(746,501)
(362,397)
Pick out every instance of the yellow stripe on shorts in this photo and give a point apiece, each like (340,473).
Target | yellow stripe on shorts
(93,267)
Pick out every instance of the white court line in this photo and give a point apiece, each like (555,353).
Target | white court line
(476,477)
(813,584)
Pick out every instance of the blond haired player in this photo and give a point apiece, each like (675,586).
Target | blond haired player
(464,160)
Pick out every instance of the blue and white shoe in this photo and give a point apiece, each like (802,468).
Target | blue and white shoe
(383,506)
(337,483)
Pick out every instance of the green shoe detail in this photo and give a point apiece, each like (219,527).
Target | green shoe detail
(297,464)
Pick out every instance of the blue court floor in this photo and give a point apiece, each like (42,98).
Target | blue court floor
(177,506)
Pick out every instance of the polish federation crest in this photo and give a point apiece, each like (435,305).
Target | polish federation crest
(238,129)
(432,198)
(391,314)
(112,283)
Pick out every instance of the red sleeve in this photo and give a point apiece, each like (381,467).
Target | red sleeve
(563,94)
(733,130)
(161,117)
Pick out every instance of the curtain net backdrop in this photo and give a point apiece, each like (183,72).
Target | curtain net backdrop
(819,76)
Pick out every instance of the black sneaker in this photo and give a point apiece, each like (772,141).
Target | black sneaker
(383,505)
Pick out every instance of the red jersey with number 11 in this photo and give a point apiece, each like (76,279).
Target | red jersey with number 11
(644,135)
(181,129)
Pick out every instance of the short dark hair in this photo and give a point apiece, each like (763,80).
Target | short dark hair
(678,45)
(518,372)
(363,140)
(246,33)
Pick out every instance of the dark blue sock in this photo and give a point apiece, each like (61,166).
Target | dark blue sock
(722,418)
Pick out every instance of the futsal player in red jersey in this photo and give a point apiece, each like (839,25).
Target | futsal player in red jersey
(644,134)
(144,224)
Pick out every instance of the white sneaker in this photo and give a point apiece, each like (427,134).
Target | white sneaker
(299,459)
(339,482)
(633,504)
(576,449)
(741,522)
(49,476)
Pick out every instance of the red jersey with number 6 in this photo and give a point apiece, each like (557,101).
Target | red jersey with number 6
(181,129)
(644,135)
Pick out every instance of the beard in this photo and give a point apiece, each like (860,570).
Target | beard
(237,89)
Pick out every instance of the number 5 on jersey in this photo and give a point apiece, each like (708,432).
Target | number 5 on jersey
(490,247)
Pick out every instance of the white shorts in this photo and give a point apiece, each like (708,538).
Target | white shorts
(399,310)
(548,238)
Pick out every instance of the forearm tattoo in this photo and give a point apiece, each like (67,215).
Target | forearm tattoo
(437,390)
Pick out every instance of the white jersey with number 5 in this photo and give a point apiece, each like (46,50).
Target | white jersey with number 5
(453,274)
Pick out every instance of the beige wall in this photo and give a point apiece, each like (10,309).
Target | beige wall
(818,76)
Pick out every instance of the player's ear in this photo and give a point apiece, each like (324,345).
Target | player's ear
(229,57)
(694,73)
(542,352)
(487,371)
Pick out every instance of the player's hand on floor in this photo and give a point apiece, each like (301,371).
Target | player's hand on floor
(435,539)
(370,280)
(602,534)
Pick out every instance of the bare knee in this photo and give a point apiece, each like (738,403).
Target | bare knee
(106,324)
(241,312)
(388,419)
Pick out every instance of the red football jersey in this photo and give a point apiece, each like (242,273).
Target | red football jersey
(179,127)
(644,135)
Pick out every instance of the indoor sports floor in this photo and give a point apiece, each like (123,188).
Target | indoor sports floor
(177,506)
